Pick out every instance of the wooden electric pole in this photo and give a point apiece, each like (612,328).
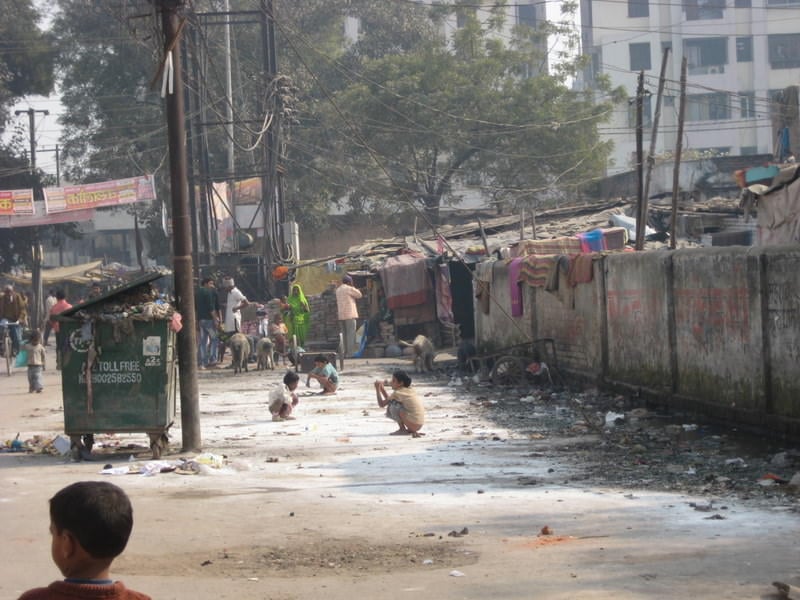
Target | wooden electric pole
(181,225)
(673,226)
(639,162)
(651,156)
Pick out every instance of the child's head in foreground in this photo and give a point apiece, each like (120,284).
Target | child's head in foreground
(90,522)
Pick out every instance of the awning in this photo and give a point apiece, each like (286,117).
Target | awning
(75,274)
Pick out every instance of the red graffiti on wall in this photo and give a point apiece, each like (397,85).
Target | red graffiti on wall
(713,315)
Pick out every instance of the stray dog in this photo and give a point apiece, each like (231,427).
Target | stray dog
(423,353)
(240,350)
(264,354)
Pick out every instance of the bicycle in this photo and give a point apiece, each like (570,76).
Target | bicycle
(6,347)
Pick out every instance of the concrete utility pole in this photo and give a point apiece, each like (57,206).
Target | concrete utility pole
(32,132)
(37,255)
(181,228)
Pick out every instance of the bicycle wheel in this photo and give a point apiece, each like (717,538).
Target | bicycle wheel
(508,370)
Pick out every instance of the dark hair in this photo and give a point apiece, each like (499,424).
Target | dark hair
(206,280)
(60,295)
(402,377)
(35,338)
(321,358)
(97,513)
(291,377)
(347,280)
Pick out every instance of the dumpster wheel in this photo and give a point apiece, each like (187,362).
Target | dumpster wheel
(81,446)
(158,443)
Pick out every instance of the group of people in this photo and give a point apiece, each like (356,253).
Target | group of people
(218,321)
(219,317)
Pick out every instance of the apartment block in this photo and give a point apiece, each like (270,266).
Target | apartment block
(742,56)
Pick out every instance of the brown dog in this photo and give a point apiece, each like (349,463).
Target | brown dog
(264,354)
(240,350)
(423,353)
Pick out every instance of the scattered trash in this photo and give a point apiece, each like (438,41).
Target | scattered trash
(461,533)
(427,561)
(689,427)
(773,478)
(614,418)
(205,563)
(455,573)
(715,517)
(546,531)
(737,462)
(62,445)
(212,460)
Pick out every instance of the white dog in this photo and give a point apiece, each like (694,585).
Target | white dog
(423,353)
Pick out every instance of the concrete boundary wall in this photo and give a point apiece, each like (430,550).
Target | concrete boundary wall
(715,330)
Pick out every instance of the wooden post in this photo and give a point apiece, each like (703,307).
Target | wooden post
(651,158)
(639,166)
(673,227)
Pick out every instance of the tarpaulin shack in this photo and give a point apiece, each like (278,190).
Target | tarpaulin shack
(778,207)
(118,365)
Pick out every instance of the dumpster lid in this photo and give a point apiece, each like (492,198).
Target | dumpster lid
(112,293)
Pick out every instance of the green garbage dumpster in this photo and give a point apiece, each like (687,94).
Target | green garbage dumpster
(118,366)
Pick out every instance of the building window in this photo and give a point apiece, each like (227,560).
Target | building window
(706,56)
(784,50)
(640,56)
(747,102)
(781,2)
(638,8)
(742,3)
(708,107)
(703,9)
(647,118)
(748,150)
(744,49)
(526,15)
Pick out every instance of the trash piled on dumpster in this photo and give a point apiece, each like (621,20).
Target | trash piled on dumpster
(141,303)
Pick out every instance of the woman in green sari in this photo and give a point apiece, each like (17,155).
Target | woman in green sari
(298,315)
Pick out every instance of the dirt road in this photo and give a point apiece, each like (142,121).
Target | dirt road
(331,506)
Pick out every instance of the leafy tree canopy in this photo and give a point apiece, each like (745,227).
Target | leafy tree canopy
(26,67)
(402,124)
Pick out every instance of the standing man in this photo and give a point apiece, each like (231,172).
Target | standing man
(234,304)
(49,302)
(206,305)
(346,296)
(13,308)
(60,306)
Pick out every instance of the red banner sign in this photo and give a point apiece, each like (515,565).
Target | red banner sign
(16,202)
(96,195)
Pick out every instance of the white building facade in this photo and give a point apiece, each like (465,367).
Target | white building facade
(741,54)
